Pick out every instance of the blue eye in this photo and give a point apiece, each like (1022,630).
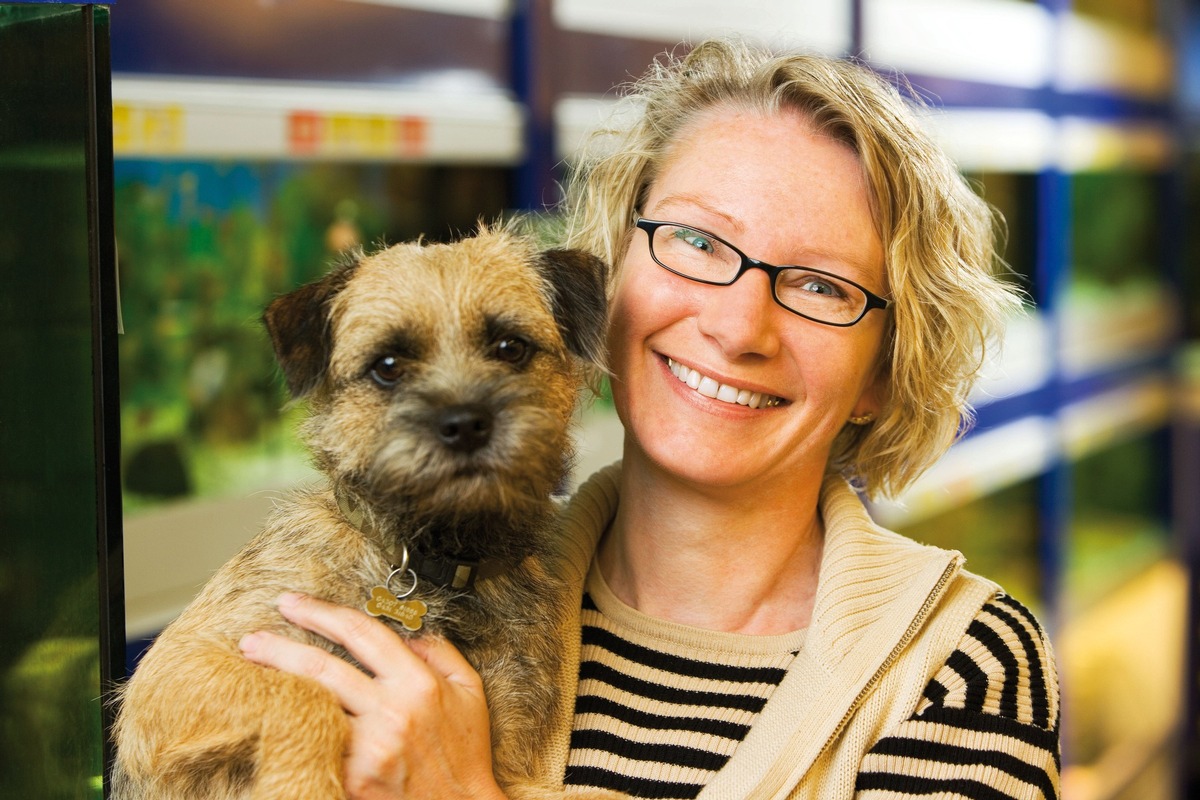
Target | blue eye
(798,285)
(818,286)
(695,239)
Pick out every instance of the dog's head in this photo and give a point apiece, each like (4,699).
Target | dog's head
(443,378)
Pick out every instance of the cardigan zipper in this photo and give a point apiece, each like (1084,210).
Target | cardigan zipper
(935,594)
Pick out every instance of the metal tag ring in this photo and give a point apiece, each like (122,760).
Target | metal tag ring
(412,588)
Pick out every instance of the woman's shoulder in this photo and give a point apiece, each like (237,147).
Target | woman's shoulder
(989,716)
(1003,666)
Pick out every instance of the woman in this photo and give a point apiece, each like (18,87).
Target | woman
(747,631)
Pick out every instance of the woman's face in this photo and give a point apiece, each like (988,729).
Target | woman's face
(784,195)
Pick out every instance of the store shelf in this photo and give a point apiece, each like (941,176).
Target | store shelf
(976,466)
(823,26)
(187,118)
(1106,418)
(1098,56)
(989,41)
(1015,44)
(1104,330)
(1022,364)
(978,139)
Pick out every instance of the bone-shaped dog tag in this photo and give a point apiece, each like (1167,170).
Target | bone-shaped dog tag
(407,612)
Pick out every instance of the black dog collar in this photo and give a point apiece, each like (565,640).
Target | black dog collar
(449,572)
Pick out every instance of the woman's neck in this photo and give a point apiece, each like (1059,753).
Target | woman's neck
(741,562)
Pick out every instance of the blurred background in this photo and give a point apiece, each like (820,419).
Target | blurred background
(253,140)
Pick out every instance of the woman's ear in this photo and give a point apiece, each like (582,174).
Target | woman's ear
(871,401)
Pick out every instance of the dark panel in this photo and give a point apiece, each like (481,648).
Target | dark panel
(327,40)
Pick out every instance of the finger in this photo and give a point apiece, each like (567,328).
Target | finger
(373,644)
(353,688)
(446,660)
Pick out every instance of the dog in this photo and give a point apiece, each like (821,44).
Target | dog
(442,380)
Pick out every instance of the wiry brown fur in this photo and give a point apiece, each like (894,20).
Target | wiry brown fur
(198,720)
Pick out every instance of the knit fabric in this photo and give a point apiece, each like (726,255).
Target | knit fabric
(661,707)
(915,678)
(987,726)
(659,712)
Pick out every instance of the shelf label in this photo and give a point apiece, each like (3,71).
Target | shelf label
(341,134)
(147,129)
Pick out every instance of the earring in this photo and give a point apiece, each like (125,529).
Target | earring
(865,419)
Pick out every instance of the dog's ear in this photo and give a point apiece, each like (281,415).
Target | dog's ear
(298,323)
(578,283)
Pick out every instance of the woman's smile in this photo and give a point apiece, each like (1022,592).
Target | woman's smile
(726,393)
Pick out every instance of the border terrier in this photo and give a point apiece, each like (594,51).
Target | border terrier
(442,381)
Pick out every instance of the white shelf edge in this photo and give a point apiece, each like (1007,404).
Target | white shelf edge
(983,139)
(991,460)
(186,118)
(974,467)
(485,9)
(977,139)
(1108,333)
(992,41)
(822,26)
(1093,55)
(1023,363)
(1012,43)
(1088,144)
(1114,416)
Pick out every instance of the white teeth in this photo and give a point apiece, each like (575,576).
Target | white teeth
(720,391)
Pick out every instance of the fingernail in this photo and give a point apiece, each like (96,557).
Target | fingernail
(249,643)
(289,599)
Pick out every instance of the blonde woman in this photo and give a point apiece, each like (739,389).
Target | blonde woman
(802,295)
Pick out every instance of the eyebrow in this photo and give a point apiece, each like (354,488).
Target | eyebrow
(694,200)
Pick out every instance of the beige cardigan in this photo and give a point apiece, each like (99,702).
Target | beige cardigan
(887,615)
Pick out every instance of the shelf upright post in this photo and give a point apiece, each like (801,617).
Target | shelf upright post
(1051,275)
(532,83)
(856,28)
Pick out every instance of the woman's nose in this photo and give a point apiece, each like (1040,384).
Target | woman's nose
(742,317)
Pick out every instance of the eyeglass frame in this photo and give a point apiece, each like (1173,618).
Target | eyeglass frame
(773,271)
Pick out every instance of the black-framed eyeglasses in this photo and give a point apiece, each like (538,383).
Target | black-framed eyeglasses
(811,293)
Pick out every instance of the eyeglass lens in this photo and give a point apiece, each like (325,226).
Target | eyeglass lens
(703,257)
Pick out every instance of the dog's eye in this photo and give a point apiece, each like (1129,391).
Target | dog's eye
(512,349)
(387,371)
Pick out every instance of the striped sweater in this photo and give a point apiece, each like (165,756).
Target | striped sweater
(915,679)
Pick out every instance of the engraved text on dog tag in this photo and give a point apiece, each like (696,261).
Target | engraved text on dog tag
(407,612)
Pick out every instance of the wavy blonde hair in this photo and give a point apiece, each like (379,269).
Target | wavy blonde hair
(938,236)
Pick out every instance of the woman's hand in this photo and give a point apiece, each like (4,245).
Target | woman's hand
(419,727)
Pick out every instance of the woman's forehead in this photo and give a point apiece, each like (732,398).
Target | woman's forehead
(769,181)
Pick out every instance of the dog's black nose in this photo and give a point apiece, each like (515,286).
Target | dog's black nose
(465,428)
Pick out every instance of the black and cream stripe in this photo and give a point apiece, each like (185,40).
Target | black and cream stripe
(657,717)
(987,726)
(659,721)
